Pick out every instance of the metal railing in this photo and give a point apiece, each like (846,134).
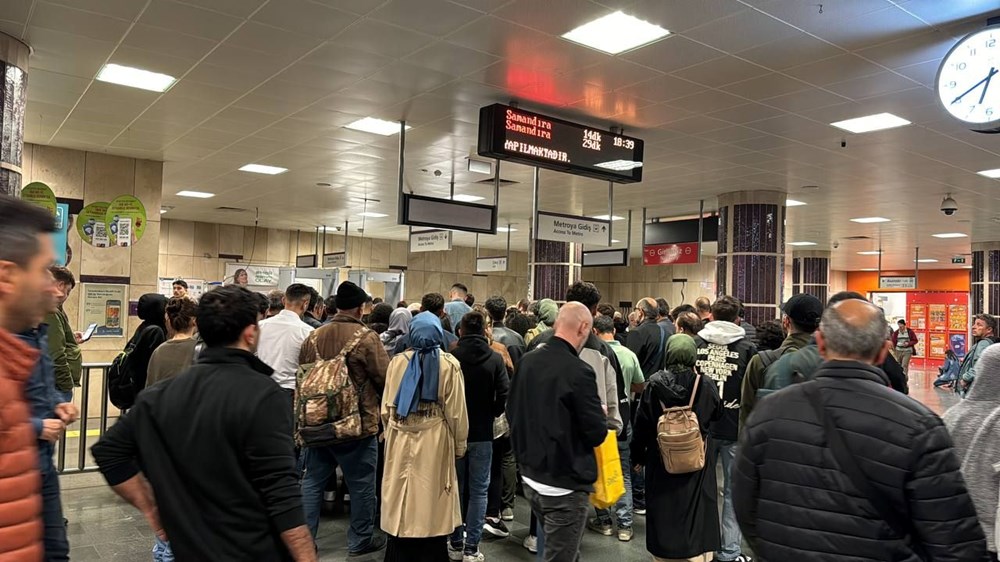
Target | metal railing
(82,398)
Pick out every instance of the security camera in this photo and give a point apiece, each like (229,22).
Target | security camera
(949,206)
(836,244)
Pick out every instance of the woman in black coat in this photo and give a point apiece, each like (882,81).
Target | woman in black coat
(682,518)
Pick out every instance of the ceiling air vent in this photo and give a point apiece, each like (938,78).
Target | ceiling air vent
(231,210)
(502,182)
(858,238)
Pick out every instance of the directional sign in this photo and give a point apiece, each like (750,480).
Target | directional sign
(430,241)
(490,265)
(570,228)
(897,282)
(958,260)
(335,260)
(668,254)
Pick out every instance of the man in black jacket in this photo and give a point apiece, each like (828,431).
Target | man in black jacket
(648,339)
(843,467)
(723,355)
(216,445)
(556,420)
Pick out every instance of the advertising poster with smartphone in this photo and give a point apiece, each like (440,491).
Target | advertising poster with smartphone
(106,306)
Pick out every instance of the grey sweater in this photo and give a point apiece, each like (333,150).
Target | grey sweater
(974,424)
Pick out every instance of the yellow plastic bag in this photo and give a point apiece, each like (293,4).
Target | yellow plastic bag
(610,485)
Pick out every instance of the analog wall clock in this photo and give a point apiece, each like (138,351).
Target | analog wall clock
(968,81)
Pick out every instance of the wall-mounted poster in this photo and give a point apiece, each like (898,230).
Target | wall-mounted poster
(91,225)
(937,317)
(126,220)
(958,318)
(37,193)
(106,306)
(61,235)
(252,275)
(939,342)
(918,316)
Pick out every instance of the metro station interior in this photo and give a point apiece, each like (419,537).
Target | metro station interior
(657,148)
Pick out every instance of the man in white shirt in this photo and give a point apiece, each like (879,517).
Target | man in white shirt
(281,338)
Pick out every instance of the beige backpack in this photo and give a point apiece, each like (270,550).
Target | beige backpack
(678,435)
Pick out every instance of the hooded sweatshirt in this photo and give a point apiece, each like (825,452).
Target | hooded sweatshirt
(152,310)
(723,355)
(974,424)
(486,385)
(547,312)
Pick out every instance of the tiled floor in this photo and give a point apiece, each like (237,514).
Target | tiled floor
(102,527)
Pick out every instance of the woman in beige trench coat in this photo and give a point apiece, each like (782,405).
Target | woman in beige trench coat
(426,427)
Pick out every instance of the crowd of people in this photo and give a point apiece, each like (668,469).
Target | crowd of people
(243,410)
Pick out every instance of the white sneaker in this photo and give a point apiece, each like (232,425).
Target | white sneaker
(507,514)
(477,557)
(454,553)
(531,543)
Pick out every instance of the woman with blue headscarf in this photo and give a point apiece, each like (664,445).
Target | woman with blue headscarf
(426,429)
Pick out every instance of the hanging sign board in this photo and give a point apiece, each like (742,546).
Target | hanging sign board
(308,260)
(430,241)
(670,254)
(570,228)
(252,275)
(603,258)
(897,282)
(432,212)
(335,260)
(490,265)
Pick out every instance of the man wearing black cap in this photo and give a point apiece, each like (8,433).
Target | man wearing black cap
(800,317)
(366,363)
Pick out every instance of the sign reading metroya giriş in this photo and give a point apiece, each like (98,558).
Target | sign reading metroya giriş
(570,228)
(670,254)
(430,241)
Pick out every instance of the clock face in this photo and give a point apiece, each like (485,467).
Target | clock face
(968,81)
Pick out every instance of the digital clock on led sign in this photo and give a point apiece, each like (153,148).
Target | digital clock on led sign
(513,134)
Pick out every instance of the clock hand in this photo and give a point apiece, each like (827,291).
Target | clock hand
(986,86)
(974,86)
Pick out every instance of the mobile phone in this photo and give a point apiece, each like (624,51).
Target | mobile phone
(89,333)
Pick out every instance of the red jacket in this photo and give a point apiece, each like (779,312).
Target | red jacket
(20,483)
(913,338)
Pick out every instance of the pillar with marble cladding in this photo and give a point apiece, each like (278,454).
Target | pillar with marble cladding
(811,274)
(751,256)
(984,284)
(13,99)
(554,267)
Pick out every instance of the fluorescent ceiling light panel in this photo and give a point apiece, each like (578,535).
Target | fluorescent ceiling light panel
(262,169)
(926,260)
(616,33)
(619,165)
(195,194)
(793,203)
(135,78)
(992,174)
(506,229)
(605,217)
(869,123)
(867,269)
(467,198)
(801,243)
(377,126)
(870,220)
(372,215)
(950,235)
(869,253)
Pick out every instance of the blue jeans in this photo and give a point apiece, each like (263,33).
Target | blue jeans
(56,544)
(623,508)
(474,485)
(162,551)
(731,535)
(358,460)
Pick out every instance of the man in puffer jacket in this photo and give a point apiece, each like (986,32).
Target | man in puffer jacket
(723,355)
(796,491)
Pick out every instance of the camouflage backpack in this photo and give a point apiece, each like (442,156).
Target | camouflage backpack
(327,402)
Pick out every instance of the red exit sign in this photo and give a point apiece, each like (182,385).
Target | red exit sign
(668,254)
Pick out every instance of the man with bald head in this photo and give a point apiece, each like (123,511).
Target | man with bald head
(843,467)
(556,420)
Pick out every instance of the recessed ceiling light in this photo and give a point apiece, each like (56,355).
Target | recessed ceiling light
(992,174)
(793,203)
(615,241)
(467,198)
(135,78)
(950,235)
(926,260)
(377,126)
(165,209)
(605,217)
(869,220)
(372,215)
(966,267)
(616,33)
(867,269)
(869,123)
(195,194)
(801,243)
(619,165)
(506,229)
(870,253)
(262,169)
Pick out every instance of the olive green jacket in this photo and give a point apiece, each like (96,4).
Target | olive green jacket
(64,351)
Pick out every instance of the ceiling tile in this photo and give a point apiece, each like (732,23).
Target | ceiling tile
(924,73)
(673,53)
(483,5)
(746,113)
(682,15)
(16,11)
(870,86)
(160,40)
(382,39)
(196,90)
(287,45)
(433,17)
(767,86)
(721,71)
(805,100)
(260,65)
(913,49)
(451,59)
(709,100)
(307,18)
(121,9)
(55,88)
(938,13)
(154,61)
(868,29)
(755,28)
(834,69)
(359,7)
(316,77)
(498,37)
(410,78)
(791,51)
(345,59)
(191,20)
(69,20)
(66,53)
(552,16)
(237,8)
(662,88)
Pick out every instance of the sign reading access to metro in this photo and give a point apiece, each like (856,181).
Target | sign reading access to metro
(529,138)
(570,228)
(670,254)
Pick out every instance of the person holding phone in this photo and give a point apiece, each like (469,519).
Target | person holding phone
(64,345)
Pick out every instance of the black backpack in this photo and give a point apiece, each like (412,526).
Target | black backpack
(122,388)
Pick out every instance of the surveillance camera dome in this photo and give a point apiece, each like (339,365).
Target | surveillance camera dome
(949,206)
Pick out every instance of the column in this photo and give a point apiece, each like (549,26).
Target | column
(751,259)
(984,287)
(553,268)
(811,274)
(13,98)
